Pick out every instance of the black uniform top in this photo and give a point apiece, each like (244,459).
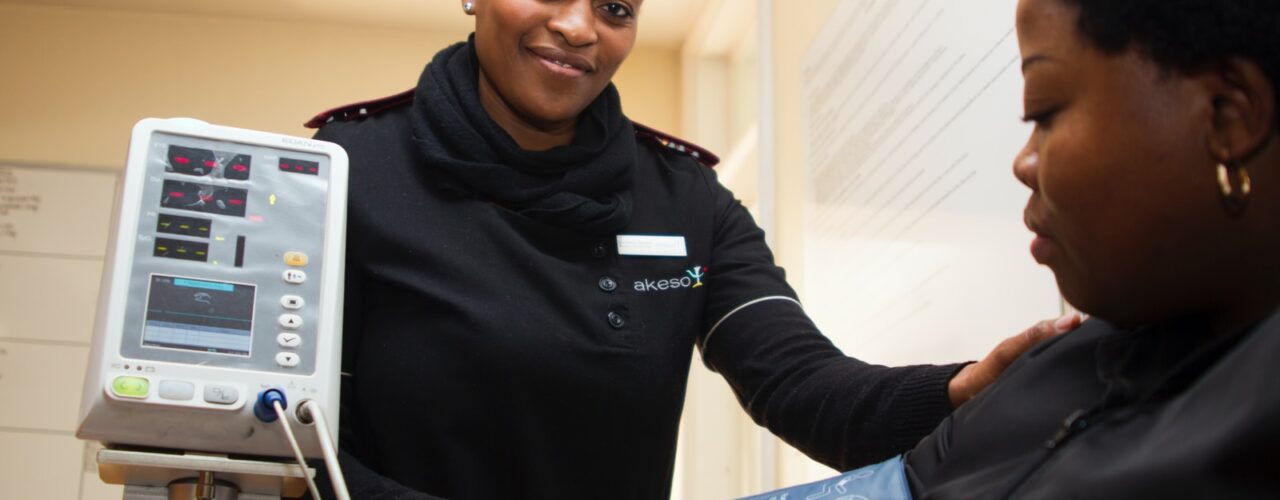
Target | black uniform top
(491,355)
(1169,412)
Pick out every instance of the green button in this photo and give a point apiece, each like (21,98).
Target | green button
(130,387)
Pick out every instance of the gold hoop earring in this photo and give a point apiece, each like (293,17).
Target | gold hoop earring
(1230,173)
(469,8)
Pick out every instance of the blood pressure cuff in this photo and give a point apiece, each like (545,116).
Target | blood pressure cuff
(883,481)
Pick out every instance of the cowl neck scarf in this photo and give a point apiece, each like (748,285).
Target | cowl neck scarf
(584,186)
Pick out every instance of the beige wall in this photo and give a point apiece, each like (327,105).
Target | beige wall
(75,80)
(650,86)
(794,30)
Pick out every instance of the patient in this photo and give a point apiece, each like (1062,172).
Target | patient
(1155,199)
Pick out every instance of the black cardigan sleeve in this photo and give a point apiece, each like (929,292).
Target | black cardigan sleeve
(791,379)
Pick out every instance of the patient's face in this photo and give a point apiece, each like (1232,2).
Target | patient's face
(1122,186)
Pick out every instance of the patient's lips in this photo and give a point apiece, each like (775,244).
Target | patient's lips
(1043,246)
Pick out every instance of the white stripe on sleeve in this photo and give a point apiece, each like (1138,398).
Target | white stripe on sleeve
(707,340)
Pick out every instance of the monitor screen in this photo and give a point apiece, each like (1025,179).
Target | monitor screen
(199,315)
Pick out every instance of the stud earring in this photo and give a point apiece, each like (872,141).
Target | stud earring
(469,8)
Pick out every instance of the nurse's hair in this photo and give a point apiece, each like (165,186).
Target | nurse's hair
(1187,35)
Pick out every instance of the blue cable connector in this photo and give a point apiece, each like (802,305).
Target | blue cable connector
(265,408)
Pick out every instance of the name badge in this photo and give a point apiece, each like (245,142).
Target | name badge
(651,246)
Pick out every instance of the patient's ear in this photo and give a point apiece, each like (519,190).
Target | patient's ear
(1244,107)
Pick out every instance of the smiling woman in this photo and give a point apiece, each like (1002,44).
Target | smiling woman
(529,274)
(542,64)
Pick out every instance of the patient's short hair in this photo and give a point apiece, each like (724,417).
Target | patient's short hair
(1187,35)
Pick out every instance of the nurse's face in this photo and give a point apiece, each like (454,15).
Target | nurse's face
(545,61)
(1123,199)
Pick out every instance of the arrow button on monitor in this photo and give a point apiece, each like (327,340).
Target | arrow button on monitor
(288,359)
(290,321)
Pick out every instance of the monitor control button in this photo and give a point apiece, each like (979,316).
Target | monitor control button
(289,340)
(221,394)
(292,302)
(290,321)
(295,259)
(177,390)
(288,359)
(294,276)
(131,387)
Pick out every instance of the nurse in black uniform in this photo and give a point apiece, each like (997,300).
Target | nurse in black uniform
(529,273)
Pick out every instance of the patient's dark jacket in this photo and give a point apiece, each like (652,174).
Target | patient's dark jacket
(1103,412)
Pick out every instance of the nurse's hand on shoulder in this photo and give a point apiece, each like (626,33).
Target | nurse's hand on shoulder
(976,376)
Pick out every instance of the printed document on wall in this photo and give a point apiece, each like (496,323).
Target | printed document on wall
(915,250)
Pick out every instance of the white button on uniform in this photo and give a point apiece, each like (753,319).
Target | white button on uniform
(292,302)
(288,359)
(289,340)
(295,276)
(290,321)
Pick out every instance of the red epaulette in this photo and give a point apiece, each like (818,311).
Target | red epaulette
(361,109)
(706,158)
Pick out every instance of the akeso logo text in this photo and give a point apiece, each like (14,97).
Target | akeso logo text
(691,279)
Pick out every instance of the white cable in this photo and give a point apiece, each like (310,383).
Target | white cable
(297,451)
(326,446)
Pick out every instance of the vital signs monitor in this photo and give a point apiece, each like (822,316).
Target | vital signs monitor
(223,283)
